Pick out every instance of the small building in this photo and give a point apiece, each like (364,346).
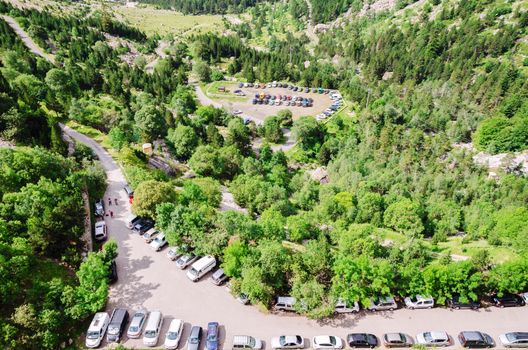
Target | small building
(221,89)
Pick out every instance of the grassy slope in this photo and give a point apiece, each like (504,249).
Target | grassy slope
(152,21)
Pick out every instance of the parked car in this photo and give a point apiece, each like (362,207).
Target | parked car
(285,304)
(159,242)
(100,231)
(116,327)
(514,340)
(193,343)
(143,226)
(433,338)
(211,342)
(153,328)
(475,339)
(112,273)
(130,193)
(172,338)
(237,112)
(242,299)
(362,340)
(201,267)
(173,253)
(97,329)
(525,296)
(419,302)
(342,307)
(287,342)
(397,340)
(99,208)
(383,303)
(150,235)
(246,342)
(136,325)
(327,342)
(185,260)
(507,299)
(457,303)
(132,220)
(219,277)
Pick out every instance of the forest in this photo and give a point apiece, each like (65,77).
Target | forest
(401,189)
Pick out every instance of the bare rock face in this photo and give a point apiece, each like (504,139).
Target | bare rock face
(320,175)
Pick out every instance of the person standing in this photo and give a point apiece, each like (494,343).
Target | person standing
(109,201)
(115,200)
(111,214)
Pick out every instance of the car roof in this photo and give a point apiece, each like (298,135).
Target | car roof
(393,337)
(175,324)
(100,223)
(290,338)
(98,320)
(438,335)
(218,273)
(472,335)
(322,338)
(286,300)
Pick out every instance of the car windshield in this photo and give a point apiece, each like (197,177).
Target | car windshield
(133,329)
(172,335)
(282,340)
(113,330)
(150,334)
(332,340)
(428,337)
(193,340)
(92,335)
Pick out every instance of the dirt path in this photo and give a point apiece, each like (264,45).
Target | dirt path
(31,45)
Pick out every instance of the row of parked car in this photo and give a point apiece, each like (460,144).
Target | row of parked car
(279,100)
(149,327)
(468,339)
(337,103)
(415,302)
(288,86)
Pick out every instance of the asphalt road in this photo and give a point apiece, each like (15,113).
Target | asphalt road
(149,280)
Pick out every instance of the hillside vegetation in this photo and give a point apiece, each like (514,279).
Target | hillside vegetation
(400,194)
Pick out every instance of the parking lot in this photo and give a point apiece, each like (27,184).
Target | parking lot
(260,112)
(149,280)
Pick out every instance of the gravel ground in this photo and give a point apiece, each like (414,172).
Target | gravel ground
(150,280)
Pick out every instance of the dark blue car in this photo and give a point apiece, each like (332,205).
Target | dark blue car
(212,336)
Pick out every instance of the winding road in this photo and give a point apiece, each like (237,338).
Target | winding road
(150,280)
(26,39)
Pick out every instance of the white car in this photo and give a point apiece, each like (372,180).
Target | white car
(287,342)
(433,338)
(100,230)
(514,339)
(237,112)
(327,342)
(419,302)
(158,242)
(172,338)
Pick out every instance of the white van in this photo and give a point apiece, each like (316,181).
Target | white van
(131,220)
(201,267)
(97,329)
(245,342)
(153,328)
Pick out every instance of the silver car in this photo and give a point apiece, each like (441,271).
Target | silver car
(185,260)
(382,304)
(194,338)
(136,325)
(514,340)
